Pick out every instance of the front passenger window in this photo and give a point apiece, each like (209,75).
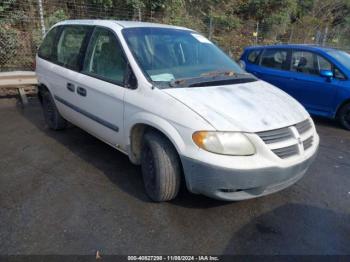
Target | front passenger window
(304,62)
(104,58)
(323,64)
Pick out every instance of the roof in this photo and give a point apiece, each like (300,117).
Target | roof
(121,23)
(296,46)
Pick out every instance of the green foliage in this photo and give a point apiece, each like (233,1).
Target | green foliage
(232,24)
(55,17)
(104,3)
(5,5)
(8,44)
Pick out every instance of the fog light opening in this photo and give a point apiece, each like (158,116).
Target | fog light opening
(230,190)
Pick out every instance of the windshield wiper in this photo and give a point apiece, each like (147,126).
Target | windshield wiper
(217,73)
(213,78)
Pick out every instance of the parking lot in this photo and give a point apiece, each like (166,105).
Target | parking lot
(68,193)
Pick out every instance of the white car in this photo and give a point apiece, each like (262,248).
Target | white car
(175,104)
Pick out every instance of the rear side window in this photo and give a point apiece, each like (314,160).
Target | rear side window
(104,57)
(275,58)
(69,47)
(46,49)
(253,56)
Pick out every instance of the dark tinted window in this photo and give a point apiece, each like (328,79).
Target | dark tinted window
(104,57)
(307,63)
(275,58)
(310,63)
(253,56)
(46,49)
(70,44)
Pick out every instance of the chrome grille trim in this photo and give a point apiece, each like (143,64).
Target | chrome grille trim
(289,141)
(286,152)
(275,136)
(307,143)
(304,126)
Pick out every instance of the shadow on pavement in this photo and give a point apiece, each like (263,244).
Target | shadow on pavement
(294,229)
(326,122)
(114,164)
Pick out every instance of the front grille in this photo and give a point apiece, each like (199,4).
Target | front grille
(275,136)
(285,152)
(283,142)
(304,126)
(308,142)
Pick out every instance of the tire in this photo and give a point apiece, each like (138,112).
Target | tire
(52,117)
(161,168)
(344,116)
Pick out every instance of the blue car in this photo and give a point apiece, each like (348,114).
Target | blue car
(318,77)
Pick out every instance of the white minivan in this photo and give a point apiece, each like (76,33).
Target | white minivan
(176,105)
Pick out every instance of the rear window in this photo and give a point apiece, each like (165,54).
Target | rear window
(275,58)
(46,49)
(253,56)
(69,47)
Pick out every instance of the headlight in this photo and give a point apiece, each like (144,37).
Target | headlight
(225,143)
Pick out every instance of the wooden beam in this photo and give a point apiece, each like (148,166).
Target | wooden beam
(23,96)
(18,80)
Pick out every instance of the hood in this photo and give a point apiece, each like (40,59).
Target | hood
(249,107)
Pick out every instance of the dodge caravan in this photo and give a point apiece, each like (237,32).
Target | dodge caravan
(176,105)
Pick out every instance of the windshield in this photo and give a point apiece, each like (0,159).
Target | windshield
(166,55)
(342,57)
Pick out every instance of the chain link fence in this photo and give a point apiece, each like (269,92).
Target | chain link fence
(23,24)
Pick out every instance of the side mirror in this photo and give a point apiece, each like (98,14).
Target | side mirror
(328,74)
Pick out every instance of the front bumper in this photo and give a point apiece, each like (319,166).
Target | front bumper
(239,184)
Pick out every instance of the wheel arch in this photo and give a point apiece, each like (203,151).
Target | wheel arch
(340,106)
(137,128)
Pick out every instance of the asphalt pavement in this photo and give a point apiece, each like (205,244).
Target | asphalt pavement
(68,193)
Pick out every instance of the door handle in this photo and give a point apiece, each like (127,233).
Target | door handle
(81,91)
(70,87)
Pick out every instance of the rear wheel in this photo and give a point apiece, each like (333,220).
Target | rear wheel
(161,168)
(344,116)
(52,117)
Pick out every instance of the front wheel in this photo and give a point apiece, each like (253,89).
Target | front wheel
(161,169)
(344,116)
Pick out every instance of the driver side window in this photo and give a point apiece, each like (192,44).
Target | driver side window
(104,57)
